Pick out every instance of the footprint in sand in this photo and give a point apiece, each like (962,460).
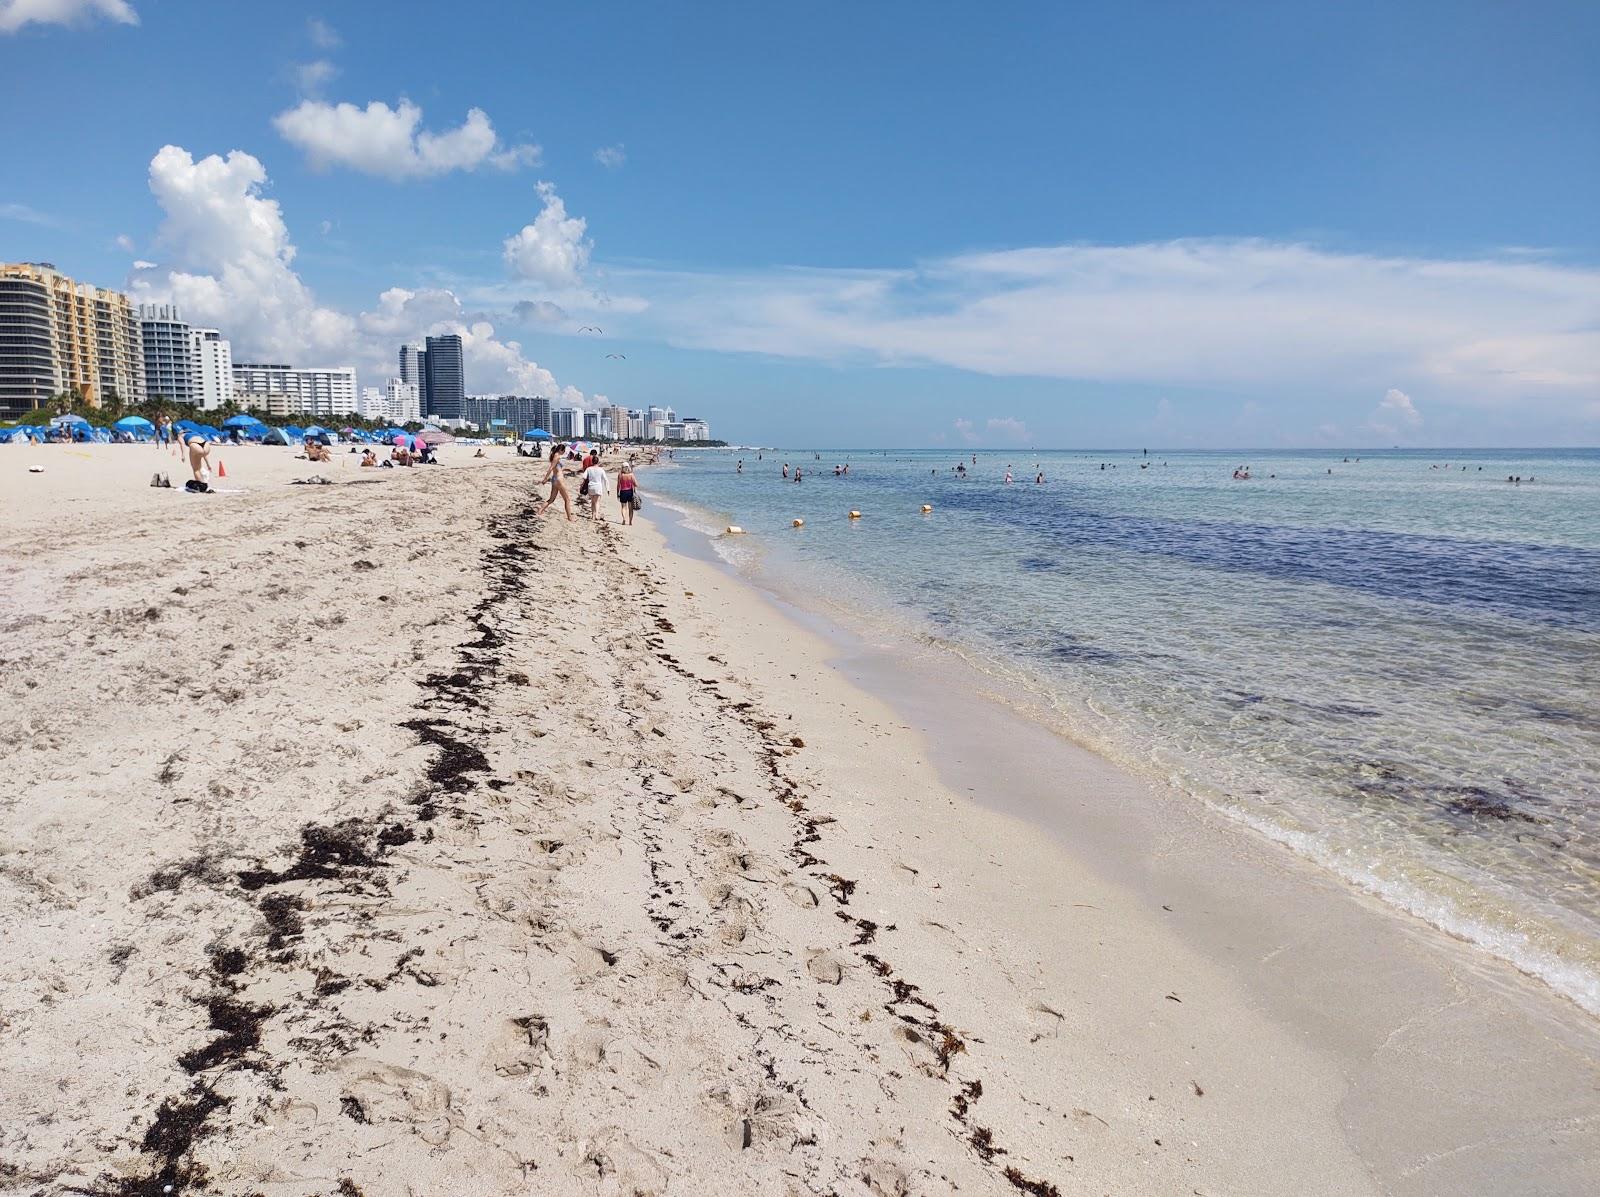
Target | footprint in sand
(801,895)
(825,966)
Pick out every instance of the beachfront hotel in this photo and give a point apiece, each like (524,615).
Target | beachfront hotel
(61,336)
(287,391)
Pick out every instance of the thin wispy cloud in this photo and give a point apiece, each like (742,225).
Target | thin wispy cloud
(323,35)
(16,14)
(1255,316)
(612,157)
(23,214)
(312,77)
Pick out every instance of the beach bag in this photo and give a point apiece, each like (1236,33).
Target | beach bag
(583,489)
(638,503)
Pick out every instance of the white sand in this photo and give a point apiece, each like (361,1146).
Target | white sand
(703,916)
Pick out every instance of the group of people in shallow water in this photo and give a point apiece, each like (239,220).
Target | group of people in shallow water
(595,484)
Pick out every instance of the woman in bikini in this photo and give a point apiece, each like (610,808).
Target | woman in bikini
(558,485)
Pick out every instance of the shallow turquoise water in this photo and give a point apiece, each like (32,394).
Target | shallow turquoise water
(1393,667)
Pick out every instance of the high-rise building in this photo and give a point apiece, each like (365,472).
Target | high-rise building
(619,422)
(655,423)
(507,413)
(695,429)
(169,357)
(566,423)
(372,405)
(403,401)
(636,426)
(58,336)
(446,378)
(213,368)
(591,424)
(285,390)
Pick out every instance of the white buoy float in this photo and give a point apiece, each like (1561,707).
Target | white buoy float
(735,530)
(855,515)
(927,507)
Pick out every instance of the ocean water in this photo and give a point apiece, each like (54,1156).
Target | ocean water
(1392,667)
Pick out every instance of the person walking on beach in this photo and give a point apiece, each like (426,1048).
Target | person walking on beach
(627,488)
(558,485)
(595,485)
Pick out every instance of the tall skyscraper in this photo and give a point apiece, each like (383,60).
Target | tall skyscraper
(213,368)
(414,369)
(169,356)
(446,378)
(59,336)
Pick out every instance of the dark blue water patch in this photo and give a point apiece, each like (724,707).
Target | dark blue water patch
(1039,564)
(1074,652)
(1554,584)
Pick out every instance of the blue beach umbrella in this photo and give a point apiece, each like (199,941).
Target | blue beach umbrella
(133,424)
(244,421)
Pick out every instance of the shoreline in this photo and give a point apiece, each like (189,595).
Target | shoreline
(470,851)
(1553,946)
(1158,843)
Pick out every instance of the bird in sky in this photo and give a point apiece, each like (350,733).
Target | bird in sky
(623,356)
(591,328)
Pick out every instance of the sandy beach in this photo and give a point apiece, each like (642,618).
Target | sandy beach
(380,838)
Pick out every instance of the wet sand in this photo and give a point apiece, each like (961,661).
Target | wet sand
(377,838)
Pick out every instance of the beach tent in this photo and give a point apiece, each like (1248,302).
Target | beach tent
(294,433)
(274,436)
(537,434)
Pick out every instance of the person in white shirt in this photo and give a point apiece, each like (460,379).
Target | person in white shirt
(595,477)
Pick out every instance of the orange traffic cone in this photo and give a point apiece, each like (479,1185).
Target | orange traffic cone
(222,470)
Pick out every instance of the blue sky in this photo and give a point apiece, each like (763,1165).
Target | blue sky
(909,224)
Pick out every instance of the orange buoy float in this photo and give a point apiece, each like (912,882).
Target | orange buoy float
(798,523)
(927,507)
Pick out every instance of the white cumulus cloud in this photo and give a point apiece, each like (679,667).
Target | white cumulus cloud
(1395,416)
(1399,404)
(391,143)
(14,14)
(611,157)
(228,264)
(552,249)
